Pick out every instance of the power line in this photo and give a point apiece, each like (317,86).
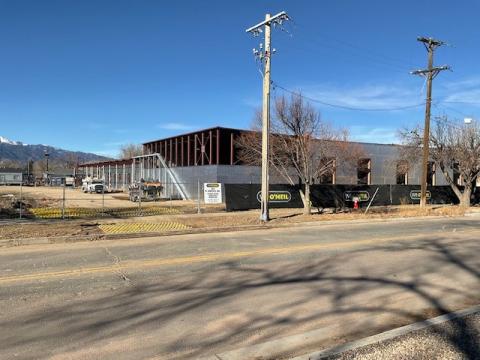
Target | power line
(461,102)
(370,54)
(450,108)
(344,107)
(311,45)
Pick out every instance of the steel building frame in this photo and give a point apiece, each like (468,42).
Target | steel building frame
(212,146)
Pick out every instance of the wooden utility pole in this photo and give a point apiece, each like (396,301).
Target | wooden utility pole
(431,72)
(265,56)
(266,125)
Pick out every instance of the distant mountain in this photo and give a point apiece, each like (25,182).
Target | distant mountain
(4,140)
(20,152)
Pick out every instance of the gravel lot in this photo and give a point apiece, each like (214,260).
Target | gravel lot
(453,340)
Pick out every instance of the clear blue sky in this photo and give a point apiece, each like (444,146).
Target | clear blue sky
(91,75)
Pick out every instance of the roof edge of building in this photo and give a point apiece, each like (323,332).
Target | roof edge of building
(194,132)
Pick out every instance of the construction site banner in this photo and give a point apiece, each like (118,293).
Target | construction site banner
(247,196)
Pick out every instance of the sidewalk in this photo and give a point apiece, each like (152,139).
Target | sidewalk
(451,336)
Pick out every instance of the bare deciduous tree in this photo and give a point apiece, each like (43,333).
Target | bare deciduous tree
(71,160)
(7,163)
(301,145)
(453,148)
(38,168)
(130,150)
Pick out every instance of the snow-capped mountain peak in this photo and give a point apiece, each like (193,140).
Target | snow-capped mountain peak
(4,140)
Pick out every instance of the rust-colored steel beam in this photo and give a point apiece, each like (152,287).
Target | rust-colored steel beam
(211,147)
(218,146)
(181,156)
(195,138)
(231,148)
(188,150)
(202,149)
(176,151)
(166,152)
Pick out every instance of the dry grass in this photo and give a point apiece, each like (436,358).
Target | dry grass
(286,216)
(183,212)
(220,220)
(19,231)
(50,200)
(435,210)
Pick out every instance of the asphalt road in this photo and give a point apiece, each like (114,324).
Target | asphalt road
(189,296)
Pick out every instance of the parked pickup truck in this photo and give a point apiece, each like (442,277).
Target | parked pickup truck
(93,185)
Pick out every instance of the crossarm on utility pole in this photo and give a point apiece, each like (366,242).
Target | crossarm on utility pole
(282,16)
(434,70)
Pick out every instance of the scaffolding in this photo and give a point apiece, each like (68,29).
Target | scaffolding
(118,175)
(152,167)
(115,174)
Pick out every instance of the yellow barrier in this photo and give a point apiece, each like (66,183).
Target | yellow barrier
(55,213)
(141,227)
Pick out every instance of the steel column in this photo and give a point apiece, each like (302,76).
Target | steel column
(218,146)
(195,149)
(181,154)
(231,149)
(211,147)
(188,150)
(202,149)
(176,151)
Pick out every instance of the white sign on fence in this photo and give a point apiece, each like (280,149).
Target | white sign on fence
(212,193)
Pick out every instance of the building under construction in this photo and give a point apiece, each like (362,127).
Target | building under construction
(181,163)
(184,162)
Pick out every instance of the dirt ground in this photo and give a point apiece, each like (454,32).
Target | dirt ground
(182,212)
(40,197)
(67,228)
(291,216)
(213,220)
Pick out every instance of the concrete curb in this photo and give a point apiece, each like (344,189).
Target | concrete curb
(388,335)
(280,348)
(121,236)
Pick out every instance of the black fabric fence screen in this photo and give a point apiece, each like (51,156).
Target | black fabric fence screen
(247,196)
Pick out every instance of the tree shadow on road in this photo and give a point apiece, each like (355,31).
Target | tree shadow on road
(243,302)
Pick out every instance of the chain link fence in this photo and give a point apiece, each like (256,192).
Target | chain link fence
(22,202)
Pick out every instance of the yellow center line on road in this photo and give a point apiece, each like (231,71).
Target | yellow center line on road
(145,264)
